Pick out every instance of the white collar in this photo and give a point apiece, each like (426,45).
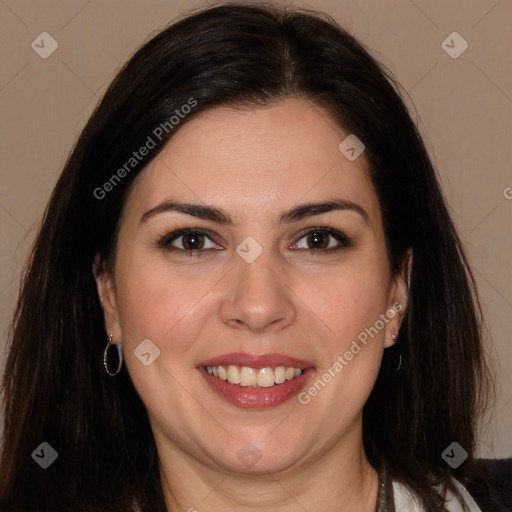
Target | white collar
(406,502)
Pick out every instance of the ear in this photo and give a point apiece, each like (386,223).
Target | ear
(106,293)
(397,300)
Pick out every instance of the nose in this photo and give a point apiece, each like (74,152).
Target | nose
(257,296)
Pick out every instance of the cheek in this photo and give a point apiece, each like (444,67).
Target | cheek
(171,309)
(161,305)
(348,305)
(349,300)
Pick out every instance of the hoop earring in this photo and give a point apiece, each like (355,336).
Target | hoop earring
(107,357)
(399,362)
(393,337)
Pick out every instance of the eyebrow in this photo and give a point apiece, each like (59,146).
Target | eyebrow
(219,216)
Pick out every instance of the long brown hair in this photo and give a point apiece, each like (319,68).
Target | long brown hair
(55,388)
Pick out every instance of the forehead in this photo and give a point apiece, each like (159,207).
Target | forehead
(260,159)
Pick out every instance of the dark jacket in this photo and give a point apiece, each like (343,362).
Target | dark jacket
(499,498)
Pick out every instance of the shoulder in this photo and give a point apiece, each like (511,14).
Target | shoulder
(499,494)
(405,500)
(499,475)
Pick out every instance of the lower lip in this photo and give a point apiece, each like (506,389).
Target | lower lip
(256,398)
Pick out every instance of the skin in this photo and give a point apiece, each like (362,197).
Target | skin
(254,164)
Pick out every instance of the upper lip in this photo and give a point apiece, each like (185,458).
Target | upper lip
(256,361)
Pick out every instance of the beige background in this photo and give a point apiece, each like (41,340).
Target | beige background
(465,107)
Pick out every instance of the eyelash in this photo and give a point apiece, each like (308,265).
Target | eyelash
(165,240)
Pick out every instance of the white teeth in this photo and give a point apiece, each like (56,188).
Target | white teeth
(247,376)
(223,373)
(266,377)
(234,374)
(254,377)
(280,375)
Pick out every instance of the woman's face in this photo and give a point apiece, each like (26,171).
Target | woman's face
(274,277)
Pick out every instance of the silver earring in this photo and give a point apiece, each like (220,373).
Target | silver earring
(393,337)
(107,357)
(399,363)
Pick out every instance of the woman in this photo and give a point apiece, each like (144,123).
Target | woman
(246,289)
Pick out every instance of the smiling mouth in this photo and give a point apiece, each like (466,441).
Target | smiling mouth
(246,376)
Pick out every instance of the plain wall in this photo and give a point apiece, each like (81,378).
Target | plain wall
(464,106)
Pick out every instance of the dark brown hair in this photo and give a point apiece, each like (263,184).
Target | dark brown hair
(55,388)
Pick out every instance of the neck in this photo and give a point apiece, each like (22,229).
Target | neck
(341,478)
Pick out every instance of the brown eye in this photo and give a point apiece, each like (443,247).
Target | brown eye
(190,242)
(322,240)
(193,241)
(318,240)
